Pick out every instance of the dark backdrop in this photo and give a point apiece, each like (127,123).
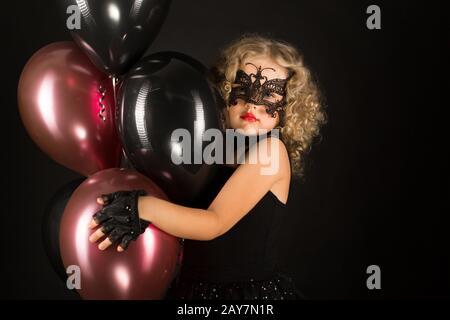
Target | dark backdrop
(376,186)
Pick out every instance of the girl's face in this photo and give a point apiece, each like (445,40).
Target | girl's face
(246,117)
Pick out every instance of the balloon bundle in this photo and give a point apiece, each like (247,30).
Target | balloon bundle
(96,102)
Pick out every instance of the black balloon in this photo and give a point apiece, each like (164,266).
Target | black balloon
(163,92)
(115,33)
(50,225)
(125,162)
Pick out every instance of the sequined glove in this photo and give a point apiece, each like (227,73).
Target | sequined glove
(119,218)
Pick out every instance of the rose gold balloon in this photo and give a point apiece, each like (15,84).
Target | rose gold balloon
(67,107)
(143,271)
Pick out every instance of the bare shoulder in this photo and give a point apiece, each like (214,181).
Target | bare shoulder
(272,153)
(285,164)
(278,144)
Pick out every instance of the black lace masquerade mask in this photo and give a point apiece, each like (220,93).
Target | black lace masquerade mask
(260,93)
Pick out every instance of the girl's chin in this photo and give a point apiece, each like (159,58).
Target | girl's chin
(249,128)
(247,131)
(251,131)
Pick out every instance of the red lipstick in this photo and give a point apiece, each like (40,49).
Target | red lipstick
(248,116)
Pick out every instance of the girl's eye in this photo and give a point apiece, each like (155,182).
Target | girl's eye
(268,94)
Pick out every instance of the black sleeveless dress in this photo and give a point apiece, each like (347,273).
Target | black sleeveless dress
(240,264)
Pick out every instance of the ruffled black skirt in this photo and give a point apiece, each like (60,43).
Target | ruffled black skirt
(278,287)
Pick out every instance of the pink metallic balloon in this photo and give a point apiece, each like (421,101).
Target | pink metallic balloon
(67,107)
(144,271)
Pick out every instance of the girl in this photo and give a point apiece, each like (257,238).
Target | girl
(230,250)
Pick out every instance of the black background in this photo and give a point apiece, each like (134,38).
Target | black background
(376,187)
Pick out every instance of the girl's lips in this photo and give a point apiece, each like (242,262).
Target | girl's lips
(249,117)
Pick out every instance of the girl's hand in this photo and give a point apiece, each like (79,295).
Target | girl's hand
(118,220)
(97,235)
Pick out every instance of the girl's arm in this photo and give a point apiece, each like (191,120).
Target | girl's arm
(238,196)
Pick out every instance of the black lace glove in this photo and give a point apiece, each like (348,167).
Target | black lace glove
(119,218)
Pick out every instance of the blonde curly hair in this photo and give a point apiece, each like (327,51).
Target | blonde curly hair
(304,109)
